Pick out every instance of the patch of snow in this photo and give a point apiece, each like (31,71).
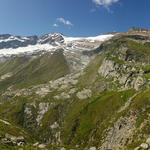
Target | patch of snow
(92,39)
(28,49)
(12,38)
(70,39)
(100,37)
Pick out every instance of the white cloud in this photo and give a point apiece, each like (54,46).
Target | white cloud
(105,3)
(55,25)
(66,22)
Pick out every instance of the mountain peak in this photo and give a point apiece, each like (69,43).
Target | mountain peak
(13,45)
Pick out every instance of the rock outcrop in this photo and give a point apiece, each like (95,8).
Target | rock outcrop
(84,94)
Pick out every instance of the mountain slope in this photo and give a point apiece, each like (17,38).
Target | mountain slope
(36,71)
(105,105)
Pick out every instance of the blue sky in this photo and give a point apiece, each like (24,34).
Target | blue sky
(72,17)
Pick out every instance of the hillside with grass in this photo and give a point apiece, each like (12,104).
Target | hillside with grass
(104,106)
(27,71)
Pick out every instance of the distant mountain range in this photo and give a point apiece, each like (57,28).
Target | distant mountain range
(14,45)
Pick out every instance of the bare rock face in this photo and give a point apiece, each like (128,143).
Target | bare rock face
(28,111)
(7,75)
(84,94)
(138,82)
(107,69)
(126,75)
(118,135)
(43,108)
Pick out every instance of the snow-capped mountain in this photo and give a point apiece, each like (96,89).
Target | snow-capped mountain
(14,45)
(73,47)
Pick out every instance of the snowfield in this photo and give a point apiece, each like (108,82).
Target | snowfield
(74,41)
(29,49)
(97,38)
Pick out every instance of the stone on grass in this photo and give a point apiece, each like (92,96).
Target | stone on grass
(62,148)
(92,148)
(20,143)
(36,144)
(20,139)
(137,148)
(42,146)
(144,145)
(148,141)
(84,94)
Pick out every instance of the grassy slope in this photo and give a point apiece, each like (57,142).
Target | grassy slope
(13,64)
(15,130)
(141,106)
(39,70)
(80,118)
(88,115)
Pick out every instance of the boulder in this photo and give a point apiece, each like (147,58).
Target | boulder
(84,94)
(63,87)
(137,148)
(62,148)
(62,96)
(20,139)
(148,141)
(72,91)
(92,148)
(11,137)
(20,143)
(55,125)
(144,145)
(42,91)
(42,146)
(36,144)
(73,82)
(8,142)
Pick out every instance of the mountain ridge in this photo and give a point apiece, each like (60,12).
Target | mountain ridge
(100,101)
